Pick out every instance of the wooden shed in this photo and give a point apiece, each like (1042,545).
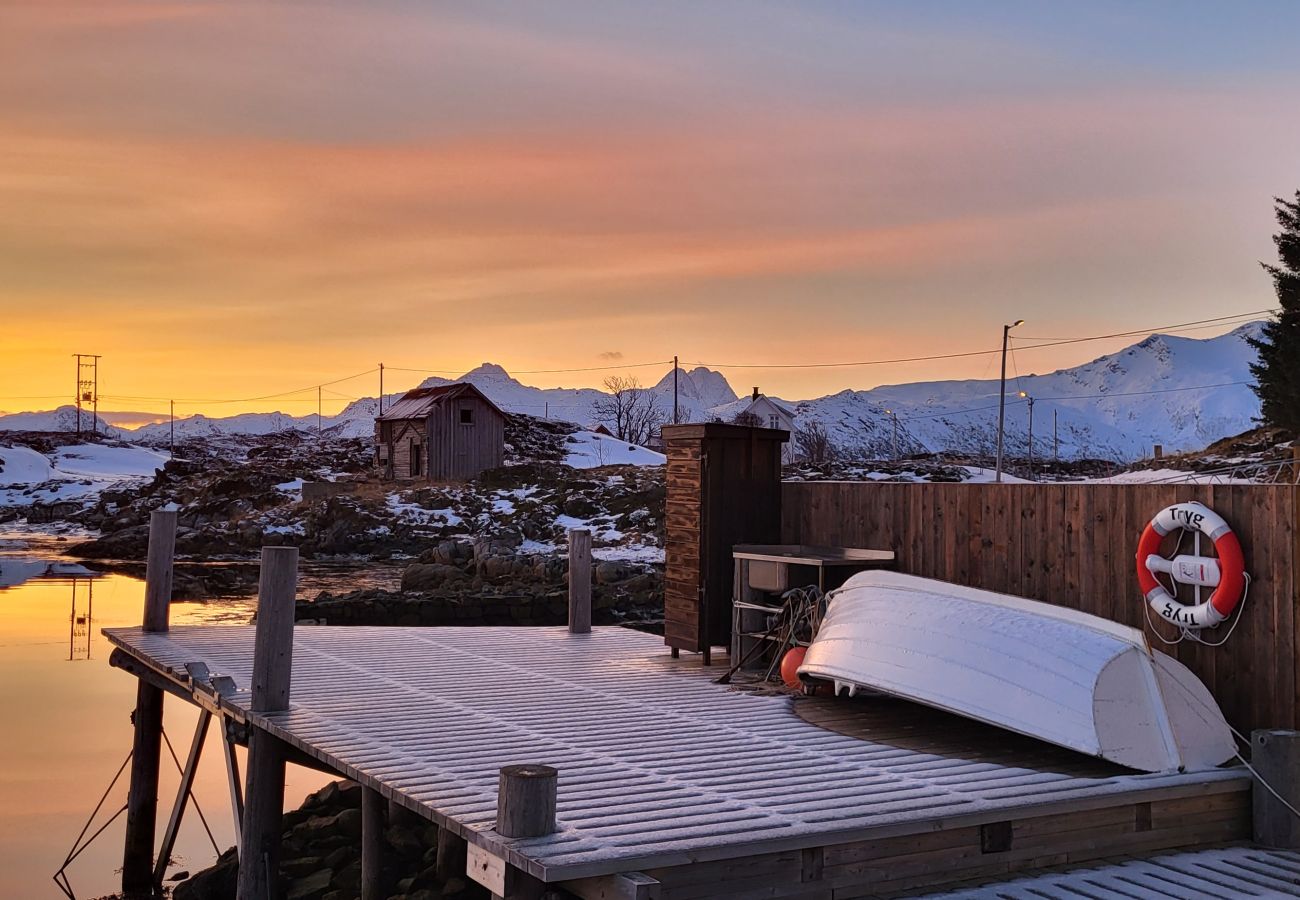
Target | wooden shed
(450,432)
(724,488)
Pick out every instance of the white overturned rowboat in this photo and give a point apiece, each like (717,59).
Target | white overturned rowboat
(1052,673)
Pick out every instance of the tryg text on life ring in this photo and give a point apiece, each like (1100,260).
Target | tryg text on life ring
(1226,574)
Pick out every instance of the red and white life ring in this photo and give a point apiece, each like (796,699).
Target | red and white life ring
(1226,574)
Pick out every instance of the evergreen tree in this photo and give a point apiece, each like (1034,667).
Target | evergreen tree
(1277,373)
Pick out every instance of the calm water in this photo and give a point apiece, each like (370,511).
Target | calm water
(66,726)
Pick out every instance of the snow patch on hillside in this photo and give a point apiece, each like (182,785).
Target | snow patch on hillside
(588,449)
(77,472)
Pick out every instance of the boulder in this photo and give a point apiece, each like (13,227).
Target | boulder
(612,572)
(429,576)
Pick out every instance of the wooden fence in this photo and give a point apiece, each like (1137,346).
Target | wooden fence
(1075,545)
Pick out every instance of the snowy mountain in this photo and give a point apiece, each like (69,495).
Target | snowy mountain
(62,419)
(1183,393)
(1118,406)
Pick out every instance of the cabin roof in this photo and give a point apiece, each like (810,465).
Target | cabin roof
(420,402)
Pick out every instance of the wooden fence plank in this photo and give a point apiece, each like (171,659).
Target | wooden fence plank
(1074,545)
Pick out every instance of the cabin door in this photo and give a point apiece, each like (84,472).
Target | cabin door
(416,468)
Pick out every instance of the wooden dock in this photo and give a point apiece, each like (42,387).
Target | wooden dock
(672,786)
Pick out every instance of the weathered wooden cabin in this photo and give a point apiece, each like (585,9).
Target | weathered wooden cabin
(450,432)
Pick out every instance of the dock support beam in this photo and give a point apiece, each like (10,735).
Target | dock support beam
(1275,754)
(146,749)
(525,808)
(579,581)
(372,844)
(259,845)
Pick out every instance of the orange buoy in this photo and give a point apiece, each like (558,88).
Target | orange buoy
(790,664)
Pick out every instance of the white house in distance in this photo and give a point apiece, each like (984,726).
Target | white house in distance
(772,414)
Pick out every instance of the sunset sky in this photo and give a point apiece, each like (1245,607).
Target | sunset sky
(229,200)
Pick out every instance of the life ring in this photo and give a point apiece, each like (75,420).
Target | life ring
(1226,574)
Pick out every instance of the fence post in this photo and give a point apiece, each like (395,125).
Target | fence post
(259,850)
(579,581)
(1275,755)
(526,801)
(142,797)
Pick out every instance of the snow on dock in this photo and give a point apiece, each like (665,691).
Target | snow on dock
(659,766)
(1218,874)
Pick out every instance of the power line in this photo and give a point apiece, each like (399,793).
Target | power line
(968,353)
(304,390)
(1066,397)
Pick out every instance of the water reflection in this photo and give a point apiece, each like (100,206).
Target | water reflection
(67,727)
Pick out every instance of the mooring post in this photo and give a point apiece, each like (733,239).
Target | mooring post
(579,581)
(526,801)
(1275,756)
(142,797)
(373,807)
(259,849)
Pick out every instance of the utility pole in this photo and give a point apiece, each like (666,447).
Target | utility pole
(676,415)
(318,390)
(893,415)
(88,387)
(546,410)
(1055,445)
(172,445)
(381,389)
(1002,395)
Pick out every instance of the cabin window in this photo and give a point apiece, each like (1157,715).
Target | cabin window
(467,415)
(415,458)
(773,421)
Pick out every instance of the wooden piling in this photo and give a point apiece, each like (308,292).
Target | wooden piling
(579,581)
(526,801)
(146,748)
(372,844)
(1275,755)
(259,852)
(451,854)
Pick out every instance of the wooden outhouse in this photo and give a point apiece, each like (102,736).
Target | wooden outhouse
(450,432)
(724,489)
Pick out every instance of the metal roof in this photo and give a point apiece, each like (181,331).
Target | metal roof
(418,403)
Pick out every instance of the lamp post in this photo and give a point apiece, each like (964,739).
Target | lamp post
(893,415)
(1031,433)
(1002,394)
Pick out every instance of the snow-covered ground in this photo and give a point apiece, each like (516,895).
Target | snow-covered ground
(589,449)
(71,472)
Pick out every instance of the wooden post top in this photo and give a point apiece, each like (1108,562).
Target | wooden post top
(526,800)
(158,569)
(273,643)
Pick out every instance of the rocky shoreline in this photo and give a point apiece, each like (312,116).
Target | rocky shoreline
(488,582)
(321,857)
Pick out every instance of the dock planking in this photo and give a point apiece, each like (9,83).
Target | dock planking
(661,770)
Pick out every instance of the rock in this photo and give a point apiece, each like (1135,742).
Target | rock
(429,576)
(612,572)
(216,883)
(312,887)
(349,822)
(404,840)
(340,857)
(301,866)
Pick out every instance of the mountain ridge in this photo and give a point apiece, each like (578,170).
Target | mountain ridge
(1183,393)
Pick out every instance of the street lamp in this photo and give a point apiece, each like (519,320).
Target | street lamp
(1002,394)
(893,415)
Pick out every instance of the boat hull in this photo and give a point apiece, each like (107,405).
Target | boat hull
(1056,674)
